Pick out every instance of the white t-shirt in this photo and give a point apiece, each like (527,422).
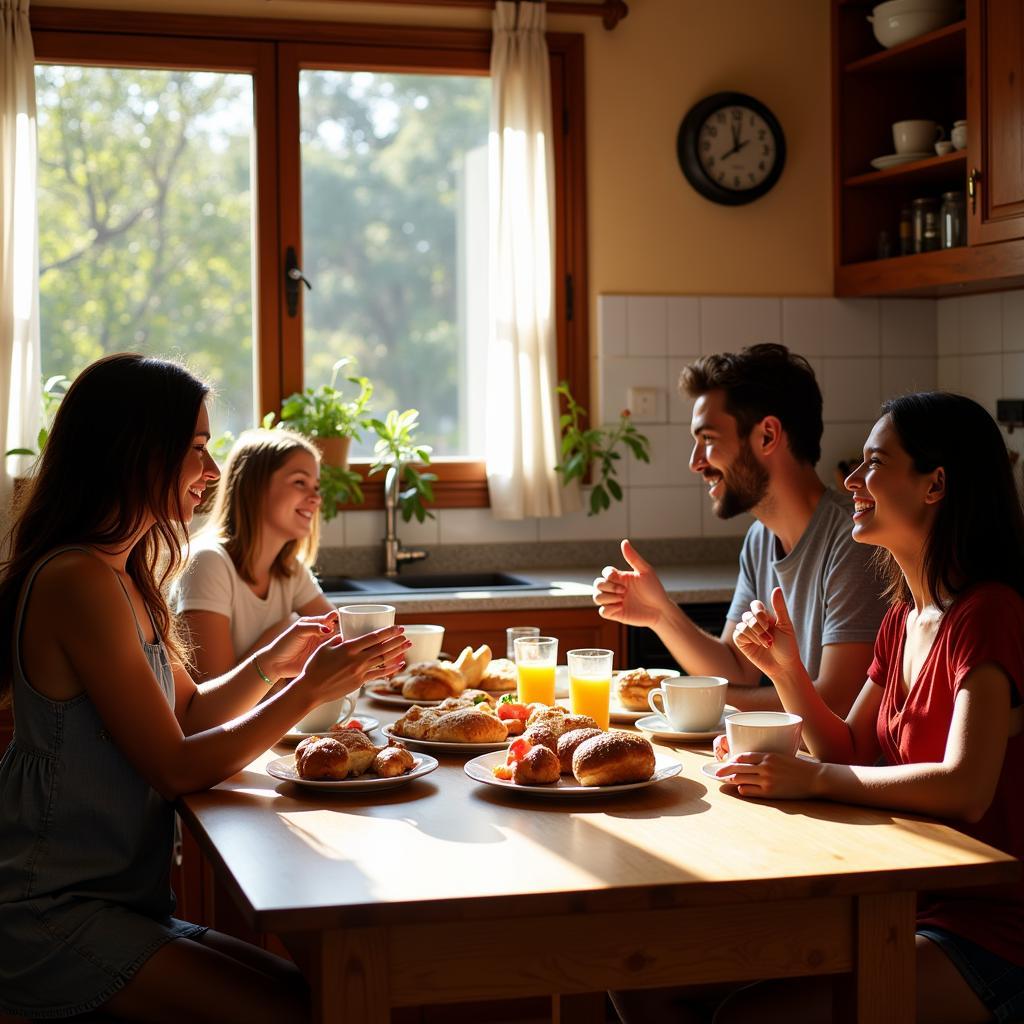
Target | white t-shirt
(211,584)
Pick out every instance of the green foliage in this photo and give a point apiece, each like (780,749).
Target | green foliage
(582,448)
(54,390)
(324,412)
(396,446)
(338,486)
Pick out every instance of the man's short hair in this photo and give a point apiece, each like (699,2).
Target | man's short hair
(764,380)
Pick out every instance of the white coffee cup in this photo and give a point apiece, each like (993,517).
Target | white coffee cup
(360,619)
(944,146)
(690,703)
(958,135)
(766,732)
(320,719)
(916,136)
(426,643)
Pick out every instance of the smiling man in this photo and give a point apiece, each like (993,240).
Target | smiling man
(756,439)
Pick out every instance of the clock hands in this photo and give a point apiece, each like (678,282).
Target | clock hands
(737,143)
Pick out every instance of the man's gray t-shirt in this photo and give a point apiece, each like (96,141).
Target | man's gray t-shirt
(831,590)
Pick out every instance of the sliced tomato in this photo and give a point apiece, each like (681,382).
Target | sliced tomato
(354,723)
(518,749)
(508,711)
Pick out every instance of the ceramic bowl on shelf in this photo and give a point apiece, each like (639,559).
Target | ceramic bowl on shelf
(892,29)
(943,146)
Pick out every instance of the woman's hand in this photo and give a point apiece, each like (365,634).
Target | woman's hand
(769,640)
(772,776)
(284,657)
(338,666)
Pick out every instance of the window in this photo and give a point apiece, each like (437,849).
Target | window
(360,147)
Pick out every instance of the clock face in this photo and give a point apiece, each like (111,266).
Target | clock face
(731,148)
(736,148)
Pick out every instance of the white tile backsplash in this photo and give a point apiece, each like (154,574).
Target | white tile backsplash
(478,526)
(729,324)
(852,389)
(619,375)
(683,326)
(947,326)
(981,323)
(646,325)
(903,375)
(664,512)
(831,327)
(948,376)
(981,377)
(611,325)
(613,523)
(680,406)
(908,327)
(1013,321)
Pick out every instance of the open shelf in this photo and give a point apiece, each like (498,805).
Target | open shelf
(933,170)
(934,51)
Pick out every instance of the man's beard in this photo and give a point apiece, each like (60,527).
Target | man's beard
(745,483)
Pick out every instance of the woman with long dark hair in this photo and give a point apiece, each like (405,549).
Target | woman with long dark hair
(109,727)
(937,728)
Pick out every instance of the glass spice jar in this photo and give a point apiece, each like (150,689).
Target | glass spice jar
(952,220)
(906,232)
(930,241)
(920,208)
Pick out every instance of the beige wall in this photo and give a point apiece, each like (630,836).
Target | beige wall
(650,233)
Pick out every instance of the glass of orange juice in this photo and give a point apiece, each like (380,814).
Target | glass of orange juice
(536,657)
(590,683)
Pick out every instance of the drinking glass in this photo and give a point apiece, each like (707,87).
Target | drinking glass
(536,657)
(512,633)
(590,683)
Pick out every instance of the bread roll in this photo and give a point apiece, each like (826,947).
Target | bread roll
(322,757)
(633,688)
(471,664)
(467,725)
(550,716)
(393,760)
(361,749)
(432,680)
(542,735)
(613,758)
(538,767)
(567,744)
(500,676)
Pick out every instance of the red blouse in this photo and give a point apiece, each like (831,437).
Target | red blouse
(984,626)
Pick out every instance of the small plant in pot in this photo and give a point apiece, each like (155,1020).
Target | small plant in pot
(398,449)
(330,421)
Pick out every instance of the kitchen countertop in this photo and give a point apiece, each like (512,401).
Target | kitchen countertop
(567,588)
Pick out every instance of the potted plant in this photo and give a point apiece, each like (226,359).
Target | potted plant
(584,447)
(327,418)
(397,448)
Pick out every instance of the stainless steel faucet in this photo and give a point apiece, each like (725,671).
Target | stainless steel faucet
(394,553)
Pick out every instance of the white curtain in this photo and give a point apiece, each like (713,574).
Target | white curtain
(522,433)
(20,393)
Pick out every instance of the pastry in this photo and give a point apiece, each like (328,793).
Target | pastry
(548,715)
(542,735)
(472,664)
(613,758)
(538,766)
(634,686)
(432,680)
(467,725)
(567,744)
(322,757)
(361,749)
(500,676)
(393,760)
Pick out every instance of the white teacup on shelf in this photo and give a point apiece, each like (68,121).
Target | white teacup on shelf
(944,146)
(917,136)
(958,135)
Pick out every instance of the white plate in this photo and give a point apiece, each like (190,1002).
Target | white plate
(481,769)
(881,163)
(284,768)
(437,747)
(397,700)
(658,726)
(296,736)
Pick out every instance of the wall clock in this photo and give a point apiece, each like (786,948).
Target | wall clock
(731,148)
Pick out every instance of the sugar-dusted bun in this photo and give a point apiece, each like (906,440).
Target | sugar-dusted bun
(613,758)
(432,680)
(571,722)
(538,767)
(567,744)
(542,735)
(393,760)
(361,749)
(499,676)
(322,757)
(467,725)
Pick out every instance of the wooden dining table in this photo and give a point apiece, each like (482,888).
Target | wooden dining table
(446,890)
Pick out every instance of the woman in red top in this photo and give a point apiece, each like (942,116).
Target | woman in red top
(936,729)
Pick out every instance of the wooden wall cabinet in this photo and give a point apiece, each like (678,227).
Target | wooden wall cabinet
(970,69)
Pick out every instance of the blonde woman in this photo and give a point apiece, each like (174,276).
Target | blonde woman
(249,575)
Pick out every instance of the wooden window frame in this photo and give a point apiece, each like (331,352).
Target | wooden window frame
(263,47)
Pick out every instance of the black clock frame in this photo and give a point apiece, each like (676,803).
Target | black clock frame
(688,140)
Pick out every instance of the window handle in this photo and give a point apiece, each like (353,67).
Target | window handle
(293,275)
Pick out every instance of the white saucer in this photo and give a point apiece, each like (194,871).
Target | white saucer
(881,163)
(297,736)
(659,727)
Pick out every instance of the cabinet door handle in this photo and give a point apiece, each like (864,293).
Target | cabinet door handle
(972,187)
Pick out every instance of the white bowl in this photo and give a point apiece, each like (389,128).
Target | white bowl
(891,30)
(426,643)
(905,6)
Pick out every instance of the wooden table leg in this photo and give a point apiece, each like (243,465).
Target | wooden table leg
(347,972)
(583,1008)
(882,988)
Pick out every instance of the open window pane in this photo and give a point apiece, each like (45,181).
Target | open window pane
(145,222)
(395,221)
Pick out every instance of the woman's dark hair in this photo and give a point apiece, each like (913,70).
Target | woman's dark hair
(112,459)
(764,380)
(978,532)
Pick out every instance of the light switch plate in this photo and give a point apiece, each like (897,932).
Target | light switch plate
(643,404)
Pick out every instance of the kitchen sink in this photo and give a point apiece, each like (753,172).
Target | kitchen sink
(430,583)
